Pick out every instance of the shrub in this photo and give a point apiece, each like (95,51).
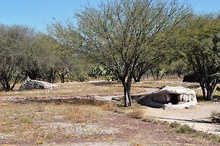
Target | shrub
(149,120)
(109,106)
(185,129)
(82,78)
(175,125)
(137,114)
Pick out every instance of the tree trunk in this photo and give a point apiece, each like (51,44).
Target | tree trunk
(208,89)
(202,85)
(127,90)
(5,81)
(52,75)
(16,80)
(137,78)
(62,78)
(152,72)
(157,74)
(209,93)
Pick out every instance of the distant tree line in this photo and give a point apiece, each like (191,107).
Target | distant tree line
(122,39)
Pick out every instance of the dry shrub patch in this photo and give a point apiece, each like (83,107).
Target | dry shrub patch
(150,120)
(185,129)
(137,114)
(175,125)
(109,106)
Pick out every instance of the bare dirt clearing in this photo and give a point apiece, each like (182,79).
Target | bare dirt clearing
(197,117)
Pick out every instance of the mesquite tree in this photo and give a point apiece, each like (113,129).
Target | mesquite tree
(16,43)
(119,34)
(200,49)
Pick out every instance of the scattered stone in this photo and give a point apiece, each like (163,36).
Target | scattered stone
(215,119)
(35,84)
(116,98)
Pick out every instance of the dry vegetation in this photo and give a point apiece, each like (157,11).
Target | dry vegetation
(85,123)
(36,123)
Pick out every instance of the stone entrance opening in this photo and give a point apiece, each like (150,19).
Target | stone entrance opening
(174,98)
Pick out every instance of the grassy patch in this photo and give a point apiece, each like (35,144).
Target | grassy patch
(185,129)
(109,106)
(26,120)
(21,123)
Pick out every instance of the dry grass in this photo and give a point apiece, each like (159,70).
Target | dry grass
(86,88)
(137,114)
(109,106)
(150,120)
(24,123)
(74,89)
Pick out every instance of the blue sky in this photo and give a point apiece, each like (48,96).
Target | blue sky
(38,13)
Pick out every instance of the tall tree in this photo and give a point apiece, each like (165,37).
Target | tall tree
(119,34)
(200,49)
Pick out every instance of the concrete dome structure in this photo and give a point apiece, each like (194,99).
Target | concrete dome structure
(170,97)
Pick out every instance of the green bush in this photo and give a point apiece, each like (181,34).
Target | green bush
(185,129)
(82,78)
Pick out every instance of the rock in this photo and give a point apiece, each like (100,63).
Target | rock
(216,119)
(35,84)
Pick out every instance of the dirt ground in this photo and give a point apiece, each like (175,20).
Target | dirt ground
(197,117)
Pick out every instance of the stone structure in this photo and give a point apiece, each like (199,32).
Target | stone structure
(170,97)
(35,84)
